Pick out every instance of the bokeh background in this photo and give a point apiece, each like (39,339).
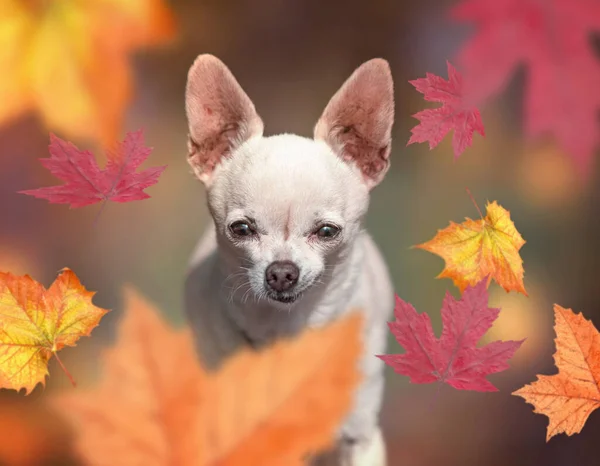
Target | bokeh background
(291,56)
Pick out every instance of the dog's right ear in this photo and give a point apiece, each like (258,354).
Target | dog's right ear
(220,115)
(357,122)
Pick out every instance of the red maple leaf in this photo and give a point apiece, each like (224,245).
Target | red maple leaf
(552,38)
(454,358)
(454,114)
(88,184)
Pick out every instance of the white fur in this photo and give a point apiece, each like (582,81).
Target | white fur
(289,185)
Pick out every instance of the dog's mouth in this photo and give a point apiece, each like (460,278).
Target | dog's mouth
(285,298)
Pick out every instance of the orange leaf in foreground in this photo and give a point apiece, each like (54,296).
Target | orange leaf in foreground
(69,60)
(569,397)
(156,406)
(36,323)
(476,249)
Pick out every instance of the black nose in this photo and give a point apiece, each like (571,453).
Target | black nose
(282,275)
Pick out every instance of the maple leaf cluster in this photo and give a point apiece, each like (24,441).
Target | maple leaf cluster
(156,404)
(552,38)
(477,252)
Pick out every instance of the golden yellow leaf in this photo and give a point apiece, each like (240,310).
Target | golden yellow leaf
(569,397)
(157,406)
(36,323)
(475,249)
(68,60)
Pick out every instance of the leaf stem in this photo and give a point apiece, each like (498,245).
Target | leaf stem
(99,212)
(436,395)
(65,370)
(474,202)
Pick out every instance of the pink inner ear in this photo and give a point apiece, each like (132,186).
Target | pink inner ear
(369,159)
(220,114)
(204,158)
(358,119)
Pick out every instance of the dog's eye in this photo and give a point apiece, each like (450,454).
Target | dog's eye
(242,229)
(327,231)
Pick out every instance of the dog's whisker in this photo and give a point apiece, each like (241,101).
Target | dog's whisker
(239,287)
(244,296)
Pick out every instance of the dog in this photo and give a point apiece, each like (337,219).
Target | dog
(287,248)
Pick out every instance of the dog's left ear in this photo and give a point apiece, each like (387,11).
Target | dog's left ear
(357,122)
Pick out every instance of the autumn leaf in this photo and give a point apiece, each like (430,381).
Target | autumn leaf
(68,60)
(552,39)
(569,397)
(36,323)
(454,358)
(87,184)
(474,249)
(455,114)
(157,406)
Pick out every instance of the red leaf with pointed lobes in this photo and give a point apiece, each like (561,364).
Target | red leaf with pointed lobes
(86,183)
(552,38)
(454,358)
(455,113)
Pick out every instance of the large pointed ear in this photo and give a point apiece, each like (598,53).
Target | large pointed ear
(220,115)
(357,122)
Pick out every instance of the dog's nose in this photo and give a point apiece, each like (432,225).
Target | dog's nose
(282,275)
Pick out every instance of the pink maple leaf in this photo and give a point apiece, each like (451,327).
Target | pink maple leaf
(454,358)
(552,38)
(86,183)
(455,114)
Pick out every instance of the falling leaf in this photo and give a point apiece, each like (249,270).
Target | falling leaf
(454,358)
(552,38)
(157,406)
(569,397)
(36,323)
(87,184)
(474,249)
(69,60)
(455,114)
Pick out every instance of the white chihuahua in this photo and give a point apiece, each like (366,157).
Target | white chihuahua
(287,249)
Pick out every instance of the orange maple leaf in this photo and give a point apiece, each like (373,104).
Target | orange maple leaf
(68,59)
(36,323)
(476,249)
(569,397)
(157,406)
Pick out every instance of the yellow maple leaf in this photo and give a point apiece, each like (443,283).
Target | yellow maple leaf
(68,60)
(569,397)
(36,323)
(156,405)
(475,249)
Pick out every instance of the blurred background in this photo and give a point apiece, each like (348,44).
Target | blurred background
(291,56)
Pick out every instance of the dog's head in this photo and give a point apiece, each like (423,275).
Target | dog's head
(287,207)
